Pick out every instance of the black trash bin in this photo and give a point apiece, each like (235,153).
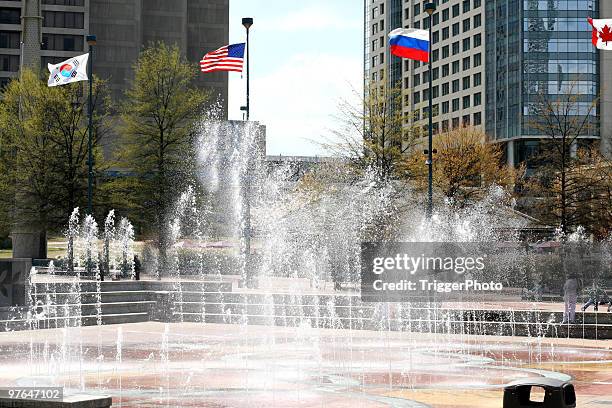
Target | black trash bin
(557,394)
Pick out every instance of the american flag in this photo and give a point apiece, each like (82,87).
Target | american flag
(228,58)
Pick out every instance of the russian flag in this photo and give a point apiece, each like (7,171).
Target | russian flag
(410,43)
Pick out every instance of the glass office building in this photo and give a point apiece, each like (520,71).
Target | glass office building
(535,48)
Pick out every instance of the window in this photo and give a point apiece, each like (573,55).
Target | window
(416,10)
(445,125)
(477,118)
(466,63)
(416,97)
(435,37)
(406,14)
(417,24)
(466,6)
(455,29)
(63,19)
(445,52)
(62,42)
(374,12)
(477,40)
(445,14)
(436,19)
(455,66)
(374,60)
(416,80)
(9,63)
(466,83)
(455,104)
(445,90)
(466,102)
(381,24)
(477,79)
(456,48)
(466,44)
(476,3)
(382,9)
(455,123)
(466,120)
(436,73)
(416,64)
(477,99)
(455,10)
(445,33)
(425,95)
(374,45)
(477,20)
(445,70)
(436,92)
(466,25)
(9,39)
(426,24)
(425,76)
(436,55)
(382,57)
(477,59)
(10,16)
(455,85)
(445,107)
(374,29)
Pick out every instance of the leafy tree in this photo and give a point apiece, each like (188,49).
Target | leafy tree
(160,114)
(44,150)
(563,120)
(465,166)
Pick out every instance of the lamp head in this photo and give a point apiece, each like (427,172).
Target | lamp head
(91,39)
(247,22)
(430,8)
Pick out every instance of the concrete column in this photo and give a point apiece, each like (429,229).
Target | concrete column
(13,276)
(31,37)
(510,153)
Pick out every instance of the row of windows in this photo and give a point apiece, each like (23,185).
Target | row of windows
(79,3)
(9,39)
(559,66)
(466,23)
(9,63)
(63,19)
(574,109)
(561,87)
(466,5)
(560,5)
(466,63)
(62,42)
(10,15)
(558,45)
(556,24)
(416,80)
(465,102)
(455,123)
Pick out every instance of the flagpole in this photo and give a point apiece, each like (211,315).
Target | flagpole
(91,40)
(430,8)
(247,22)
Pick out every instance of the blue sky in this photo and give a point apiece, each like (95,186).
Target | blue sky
(306,57)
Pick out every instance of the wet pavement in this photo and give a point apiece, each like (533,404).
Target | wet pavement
(196,365)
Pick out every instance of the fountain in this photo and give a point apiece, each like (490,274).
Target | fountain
(262,308)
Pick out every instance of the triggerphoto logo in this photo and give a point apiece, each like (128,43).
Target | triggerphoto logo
(399,272)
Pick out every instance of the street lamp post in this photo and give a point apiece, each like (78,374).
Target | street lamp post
(247,22)
(430,8)
(91,41)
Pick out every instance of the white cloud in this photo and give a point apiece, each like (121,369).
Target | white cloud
(297,100)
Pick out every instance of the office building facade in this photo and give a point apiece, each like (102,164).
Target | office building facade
(491,62)
(37,32)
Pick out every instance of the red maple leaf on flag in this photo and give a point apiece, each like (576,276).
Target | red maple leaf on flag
(605,34)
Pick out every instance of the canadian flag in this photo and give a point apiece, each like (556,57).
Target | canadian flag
(602,33)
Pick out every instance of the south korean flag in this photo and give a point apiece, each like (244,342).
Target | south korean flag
(66,72)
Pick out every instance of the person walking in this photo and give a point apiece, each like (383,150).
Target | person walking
(570,296)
